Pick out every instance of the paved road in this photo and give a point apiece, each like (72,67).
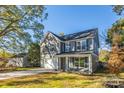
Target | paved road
(22,73)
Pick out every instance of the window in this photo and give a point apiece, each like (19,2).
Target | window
(90,44)
(58,45)
(76,62)
(71,62)
(84,45)
(67,47)
(81,62)
(86,64)
(62,47)
(72,45)
(78,46)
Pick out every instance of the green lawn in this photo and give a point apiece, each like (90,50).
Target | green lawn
(24,68)
(11,69)
(56,80)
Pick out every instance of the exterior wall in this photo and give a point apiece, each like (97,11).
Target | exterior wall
(94,62)
(25,61)
(94,45)
(49,63)
(50,60)
(49,48)
(88,70)
(18,62)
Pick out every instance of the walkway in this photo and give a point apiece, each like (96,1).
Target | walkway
(22,73)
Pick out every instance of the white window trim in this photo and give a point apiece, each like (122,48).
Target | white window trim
(84,40)
(80,45)
(72,48)
(67,50)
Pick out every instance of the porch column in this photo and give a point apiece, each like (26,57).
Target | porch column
(58,63)
(66,64)
(90,64)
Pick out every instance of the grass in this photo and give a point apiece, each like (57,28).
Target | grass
(56,80)
(11,69)
(24,68)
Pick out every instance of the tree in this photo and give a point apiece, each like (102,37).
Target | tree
(104,56)
(34,54)
(118,9)
(61,33)
(19,24)
(4,54)
(115,63)
(117,28)
(116,40)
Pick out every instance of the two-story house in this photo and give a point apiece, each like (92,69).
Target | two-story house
(72,52)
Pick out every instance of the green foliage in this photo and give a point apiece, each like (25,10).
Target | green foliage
(34,54)
(55,80)
(2,64)
(104,56)
(117,28)
(19,24)
(23,69)
(118,9)
(116,39)
(61,33)
(5,54)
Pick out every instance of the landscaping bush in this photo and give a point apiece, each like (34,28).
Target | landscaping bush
(2,63)
(101,66)
(3,67)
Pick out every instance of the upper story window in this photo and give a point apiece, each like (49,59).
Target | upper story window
(90,44)
(72,46)
(78,46)
(67,47)
(84,45)
(62,47)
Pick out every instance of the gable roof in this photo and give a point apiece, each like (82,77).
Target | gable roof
(80,34)
(77,35)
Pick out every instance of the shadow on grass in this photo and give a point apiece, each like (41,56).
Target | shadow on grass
(61,78)
(19,83)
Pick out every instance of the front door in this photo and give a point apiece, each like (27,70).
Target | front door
(63,65)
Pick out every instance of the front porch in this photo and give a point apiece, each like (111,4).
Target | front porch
(80,63)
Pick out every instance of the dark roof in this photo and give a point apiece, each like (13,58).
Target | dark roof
(76,35)
(59,37)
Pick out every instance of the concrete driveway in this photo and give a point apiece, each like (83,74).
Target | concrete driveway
(23,73)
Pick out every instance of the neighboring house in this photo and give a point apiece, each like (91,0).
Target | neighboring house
(19,60)
(72,52)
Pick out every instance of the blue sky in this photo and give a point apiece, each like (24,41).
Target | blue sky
(69,19)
